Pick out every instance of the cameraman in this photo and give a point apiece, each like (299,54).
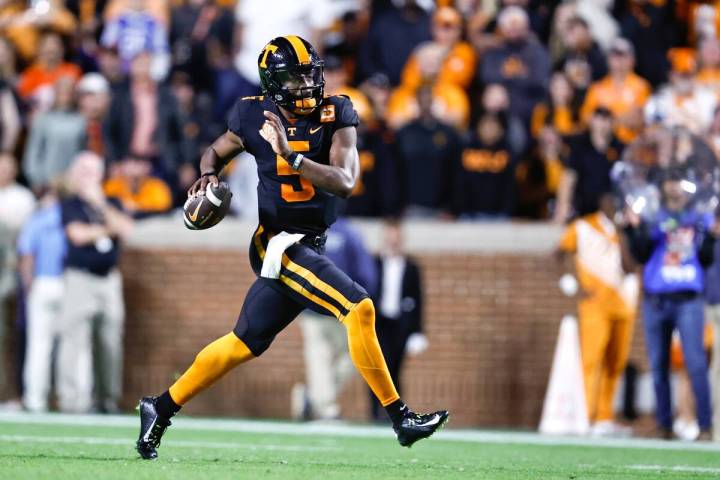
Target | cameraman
(676,247)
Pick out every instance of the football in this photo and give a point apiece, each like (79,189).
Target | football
(204,211)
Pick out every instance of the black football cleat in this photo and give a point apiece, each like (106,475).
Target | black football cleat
(415,426)
(152,428)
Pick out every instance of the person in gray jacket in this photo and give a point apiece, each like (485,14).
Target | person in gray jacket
(55,138)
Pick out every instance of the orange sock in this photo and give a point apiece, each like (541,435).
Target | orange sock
(211,363)
(366,354)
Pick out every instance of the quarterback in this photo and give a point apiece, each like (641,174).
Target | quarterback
(305,147)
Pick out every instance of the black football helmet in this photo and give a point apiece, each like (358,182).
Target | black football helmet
(291,74)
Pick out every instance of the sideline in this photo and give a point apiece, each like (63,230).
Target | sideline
(340,429)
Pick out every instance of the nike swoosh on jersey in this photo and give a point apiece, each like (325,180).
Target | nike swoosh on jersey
(194,215)
(314,130)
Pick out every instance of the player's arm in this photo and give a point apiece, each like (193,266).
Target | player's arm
(339,176)
(226,147)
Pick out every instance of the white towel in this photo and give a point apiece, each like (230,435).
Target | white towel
(274,252)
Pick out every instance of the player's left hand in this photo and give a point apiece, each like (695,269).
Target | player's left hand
(274,133)
(416,344)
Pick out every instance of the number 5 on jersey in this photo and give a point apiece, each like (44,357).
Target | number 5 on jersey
(287,191)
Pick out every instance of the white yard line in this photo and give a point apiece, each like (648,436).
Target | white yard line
(348,430)
(674,468)
(175,443)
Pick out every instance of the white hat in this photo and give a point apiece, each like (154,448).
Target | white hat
(93,83)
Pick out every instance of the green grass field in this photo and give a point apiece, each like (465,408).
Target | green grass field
(93,447)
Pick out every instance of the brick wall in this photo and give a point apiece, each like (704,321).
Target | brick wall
(491,320)
(492,313)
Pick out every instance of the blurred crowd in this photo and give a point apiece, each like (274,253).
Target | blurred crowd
(470,109)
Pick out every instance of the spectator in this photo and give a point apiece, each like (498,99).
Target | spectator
(484,185)
(55,137)
(134,31)
(41,251)
(538,175)
(557,42)
(8,62)
(37,81)
(652,29)
(400,308)
(16,205)
(560,112)
(458,58)
(139,193)
(8,261)
(520,63)
(578,72)
(607,308)
(712,312)
(685,426)
(375,193)
(197,132)
(378,91)
(587,175)
(145,120)
(675,248)
(325,348)
(158,9)
(337,83)
(579,43)
(348,37)
(682,103)
(428,152)
(495,99)
(701,18)
(708,74)
(404,28)
(598,14)
(23,26)
(196,28)
(92,296)
(228,83)
(93,102)
(10,121)
(450,102)
(16,202)
(110,66)
(622,92)
(88,14)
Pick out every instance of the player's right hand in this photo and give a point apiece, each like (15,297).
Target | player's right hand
(200,185)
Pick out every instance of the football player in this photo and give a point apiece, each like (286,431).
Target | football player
(305,147)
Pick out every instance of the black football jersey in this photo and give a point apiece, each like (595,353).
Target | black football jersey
(286,201)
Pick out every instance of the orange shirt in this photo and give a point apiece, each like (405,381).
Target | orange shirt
(37,76)
(562,120)
(450,104)
(620,98)
(596,245)
(458,68)
(24,35)
(153,195)
(554,169)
